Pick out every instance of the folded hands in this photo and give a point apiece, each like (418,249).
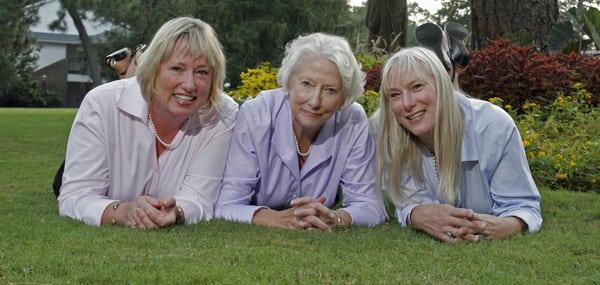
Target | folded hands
(451,224)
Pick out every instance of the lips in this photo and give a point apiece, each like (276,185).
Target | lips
(416,116)
(184,99)
(311,114)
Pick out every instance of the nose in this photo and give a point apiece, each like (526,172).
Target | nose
(408,101)
(315,98)
(187,82)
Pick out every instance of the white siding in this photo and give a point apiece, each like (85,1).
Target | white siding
(50,53)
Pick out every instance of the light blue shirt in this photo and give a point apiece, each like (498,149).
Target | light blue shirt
(495,179)
(263,171)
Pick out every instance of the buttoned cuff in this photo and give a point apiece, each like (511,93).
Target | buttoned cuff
(194,213)
(362,217)
(534,222)
(92,214)
(404,214)
(238,213)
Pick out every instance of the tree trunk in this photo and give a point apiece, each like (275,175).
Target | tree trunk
(492,19)
(88,47)
(387,21)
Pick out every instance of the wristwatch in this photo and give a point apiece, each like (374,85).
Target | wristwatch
(114,207)
(179,216)
(338,219)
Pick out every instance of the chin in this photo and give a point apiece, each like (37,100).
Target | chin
(311,123)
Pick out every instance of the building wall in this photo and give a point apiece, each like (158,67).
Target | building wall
(50,53)
(61,62)
(54,76)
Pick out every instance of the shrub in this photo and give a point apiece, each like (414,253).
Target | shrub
(373,78)
(369,101)
(368,60)
(254,80)
(519,74)
(562,148)
(46,99)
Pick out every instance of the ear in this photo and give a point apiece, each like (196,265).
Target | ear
(431,36)
(457,34)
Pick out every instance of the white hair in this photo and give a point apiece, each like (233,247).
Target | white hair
(334,48)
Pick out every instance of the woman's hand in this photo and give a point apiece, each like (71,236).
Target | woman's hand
(495,228)
(145,212)
(276,219)
(313,214)
(445,222)
(167,214)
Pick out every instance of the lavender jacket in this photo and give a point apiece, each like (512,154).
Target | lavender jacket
(262,167)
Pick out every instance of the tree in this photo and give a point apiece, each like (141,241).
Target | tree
(250,31)
(387,21)
(17,62)
(491,19)
(457,11)
(578,31)
(76,10)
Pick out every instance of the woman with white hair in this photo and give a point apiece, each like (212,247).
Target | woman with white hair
(149,151)
(294,147)
(455,167)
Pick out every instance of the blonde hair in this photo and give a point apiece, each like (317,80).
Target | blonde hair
(334,48)
(200,40)
(398,150)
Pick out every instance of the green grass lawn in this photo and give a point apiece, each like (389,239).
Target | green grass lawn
(38,246)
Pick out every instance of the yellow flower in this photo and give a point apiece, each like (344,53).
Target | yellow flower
(526,143)
(496,101)
(508,107)
(371,93)
(541,153)
(573,163)
(561,176)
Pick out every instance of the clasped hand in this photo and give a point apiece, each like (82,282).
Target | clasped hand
(312,214)
(147,213)
(451,224)
(305,213)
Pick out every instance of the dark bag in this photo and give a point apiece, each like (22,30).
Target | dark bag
(58,179)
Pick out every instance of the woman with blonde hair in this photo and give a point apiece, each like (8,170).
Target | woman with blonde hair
(454,167)
(149,151)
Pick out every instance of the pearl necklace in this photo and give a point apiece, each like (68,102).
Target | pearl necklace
(300,153)
(437,179)
(172,145)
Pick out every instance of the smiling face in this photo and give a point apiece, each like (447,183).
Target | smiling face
(182,84)
(316,93)
(412,101)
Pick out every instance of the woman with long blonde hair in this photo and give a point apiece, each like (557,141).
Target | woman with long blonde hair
(453,166)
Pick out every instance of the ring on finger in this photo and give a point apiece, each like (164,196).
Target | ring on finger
(449,234)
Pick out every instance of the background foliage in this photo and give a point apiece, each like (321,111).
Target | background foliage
(562,148)
(518,74)
(250,31)
(17,59)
